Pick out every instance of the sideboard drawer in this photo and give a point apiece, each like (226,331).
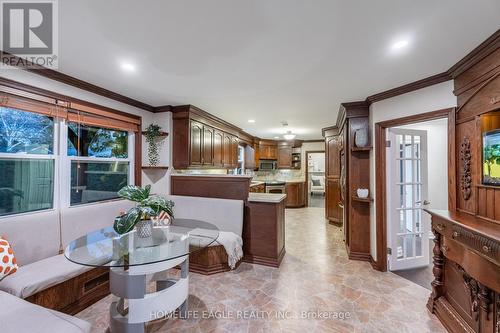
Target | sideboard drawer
(476,265)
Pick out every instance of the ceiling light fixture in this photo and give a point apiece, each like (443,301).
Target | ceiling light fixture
(276,137)
(400,44)
(127,66)
(251,121)
(289,135)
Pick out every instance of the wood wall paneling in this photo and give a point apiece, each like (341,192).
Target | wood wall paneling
(211,186)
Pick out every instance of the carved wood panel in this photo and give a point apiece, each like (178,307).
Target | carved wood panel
(465,168)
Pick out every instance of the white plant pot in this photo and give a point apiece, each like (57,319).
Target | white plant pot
(144,228)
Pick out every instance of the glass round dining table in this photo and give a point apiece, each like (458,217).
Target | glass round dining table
(135,262)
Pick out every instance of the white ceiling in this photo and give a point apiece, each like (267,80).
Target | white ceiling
(268,60)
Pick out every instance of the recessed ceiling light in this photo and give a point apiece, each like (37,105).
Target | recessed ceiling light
(127,66)
(276,137)
(251,121)
(400,44)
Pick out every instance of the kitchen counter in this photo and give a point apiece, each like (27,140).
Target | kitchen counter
(209,175)
(294,181)
(266,197)
(256,183)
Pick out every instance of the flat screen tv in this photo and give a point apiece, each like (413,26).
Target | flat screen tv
(491,157)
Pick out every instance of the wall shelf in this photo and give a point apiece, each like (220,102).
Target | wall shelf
(162,134)
(358,199)
(361,148)
(147,167)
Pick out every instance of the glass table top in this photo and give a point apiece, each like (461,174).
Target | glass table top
(105,247)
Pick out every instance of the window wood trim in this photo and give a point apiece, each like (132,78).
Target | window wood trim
(30,105)
(89,119)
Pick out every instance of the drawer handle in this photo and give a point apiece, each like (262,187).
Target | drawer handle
(455,234)
(440,226)
(486,249)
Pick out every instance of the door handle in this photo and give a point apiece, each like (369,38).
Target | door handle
(424,203)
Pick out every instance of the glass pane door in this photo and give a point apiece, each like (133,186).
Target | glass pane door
(407,184)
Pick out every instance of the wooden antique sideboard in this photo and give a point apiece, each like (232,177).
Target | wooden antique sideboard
(466,289)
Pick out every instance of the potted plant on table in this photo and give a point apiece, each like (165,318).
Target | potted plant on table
(149,209)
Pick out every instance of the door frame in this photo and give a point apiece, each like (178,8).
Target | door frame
(306,188)
(380,173)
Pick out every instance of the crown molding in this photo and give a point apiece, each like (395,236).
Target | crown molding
(490,45)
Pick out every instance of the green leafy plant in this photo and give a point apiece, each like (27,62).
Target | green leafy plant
(491,156)
(147,207)
(152,133)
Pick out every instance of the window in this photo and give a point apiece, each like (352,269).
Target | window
(55,157)
(27,161)
(98,161)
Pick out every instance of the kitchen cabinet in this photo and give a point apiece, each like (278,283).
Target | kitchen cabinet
(201,140)
(196,143)
(295,194)
(284,156)
(234,151)
(333,199)
(208,145)
(250,160)
(218,149)
(260,188)
(268,150)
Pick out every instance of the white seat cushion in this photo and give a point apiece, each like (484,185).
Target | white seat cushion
(18,315)
(40,275)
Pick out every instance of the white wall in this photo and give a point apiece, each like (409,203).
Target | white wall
(309,146)
(159,180)
(317,160)
(437,160)
(428,99)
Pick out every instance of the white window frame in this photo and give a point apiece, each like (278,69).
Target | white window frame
(65,166)
(62,167)
(55,156)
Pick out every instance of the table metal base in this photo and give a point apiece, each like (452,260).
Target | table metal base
(137,307)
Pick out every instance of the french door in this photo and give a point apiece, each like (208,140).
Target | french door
(408,226)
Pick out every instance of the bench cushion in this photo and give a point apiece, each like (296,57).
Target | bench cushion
(18,315)
(40,275)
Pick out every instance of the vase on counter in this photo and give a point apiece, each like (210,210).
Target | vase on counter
(361,137)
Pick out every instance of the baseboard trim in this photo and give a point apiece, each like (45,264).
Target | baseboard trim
(265,261)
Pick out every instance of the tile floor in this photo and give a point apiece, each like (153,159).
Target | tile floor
(315,277)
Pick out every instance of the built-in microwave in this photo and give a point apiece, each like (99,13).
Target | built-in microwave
(268,165)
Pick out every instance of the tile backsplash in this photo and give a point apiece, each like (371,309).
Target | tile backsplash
(284,174)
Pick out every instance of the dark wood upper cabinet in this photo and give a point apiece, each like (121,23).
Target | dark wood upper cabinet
(208,145)
(250,162)
(201,140)
(227,156)
(218,149)
(196,130)
(284,156)
(234,151)
(268,150)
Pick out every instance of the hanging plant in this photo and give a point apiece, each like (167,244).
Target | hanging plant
(152,133)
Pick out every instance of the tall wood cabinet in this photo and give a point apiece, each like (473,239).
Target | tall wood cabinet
(333,199)
(348,168)
(201,140)
(466,287)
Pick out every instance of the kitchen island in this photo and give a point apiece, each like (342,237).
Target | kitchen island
(263,219)
(264,229)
